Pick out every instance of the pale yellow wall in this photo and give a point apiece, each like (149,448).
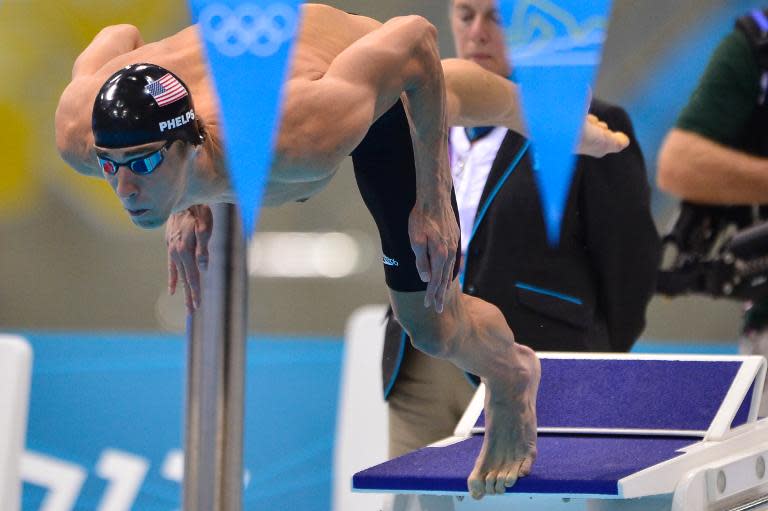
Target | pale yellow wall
(70,259)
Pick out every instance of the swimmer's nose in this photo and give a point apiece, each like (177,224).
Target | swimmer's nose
(126,186)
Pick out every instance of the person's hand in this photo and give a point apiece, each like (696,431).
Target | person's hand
(598,140)
(434,234)
(187,235)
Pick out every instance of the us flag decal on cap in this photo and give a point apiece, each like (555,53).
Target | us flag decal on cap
(166,90)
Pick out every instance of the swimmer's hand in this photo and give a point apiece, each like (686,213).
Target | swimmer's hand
(598,140)
(434,234)
(187,235)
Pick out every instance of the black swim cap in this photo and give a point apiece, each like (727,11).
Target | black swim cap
(144,103)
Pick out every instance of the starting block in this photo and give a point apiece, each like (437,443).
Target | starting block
(616,432)
(15,381)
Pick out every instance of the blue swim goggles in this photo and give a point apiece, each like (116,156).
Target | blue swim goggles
(140,166)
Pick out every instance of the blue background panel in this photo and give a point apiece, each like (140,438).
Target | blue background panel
(93,392)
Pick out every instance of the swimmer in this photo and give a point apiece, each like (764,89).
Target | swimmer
(356,87)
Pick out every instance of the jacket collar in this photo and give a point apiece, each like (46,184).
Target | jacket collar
(509,148)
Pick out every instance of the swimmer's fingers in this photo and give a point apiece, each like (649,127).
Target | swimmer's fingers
(419,246)
(187,263)
(173,275)
(423,266)
(597,140)
(440,260)
(191,274)
(446,280)
(431,233)
(622,140)
(178,272)
(188,299)
(170,240)
(436,263)
(181,238)
(203,230)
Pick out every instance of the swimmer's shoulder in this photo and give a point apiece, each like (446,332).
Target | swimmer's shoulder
(74,138)
(332,17)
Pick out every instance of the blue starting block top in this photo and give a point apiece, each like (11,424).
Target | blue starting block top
(602,418)
(677,397)
(565,465)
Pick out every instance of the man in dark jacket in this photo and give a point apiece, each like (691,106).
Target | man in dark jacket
(588,294)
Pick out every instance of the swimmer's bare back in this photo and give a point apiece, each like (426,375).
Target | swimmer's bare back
(324,33)
(306,162)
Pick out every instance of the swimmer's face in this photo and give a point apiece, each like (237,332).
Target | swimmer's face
(151,198)
(478,35)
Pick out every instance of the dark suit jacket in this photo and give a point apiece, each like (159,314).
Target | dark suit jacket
(589,293)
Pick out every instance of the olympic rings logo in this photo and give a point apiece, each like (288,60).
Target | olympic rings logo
(248,28)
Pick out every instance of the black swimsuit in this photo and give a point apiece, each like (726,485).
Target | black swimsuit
(386,176)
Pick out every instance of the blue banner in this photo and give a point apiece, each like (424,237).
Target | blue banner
(554,49)
(248,45)
(106,416)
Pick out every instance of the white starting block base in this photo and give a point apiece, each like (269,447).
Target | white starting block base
(735,478)
(524,503)
(616,433)
(15,375)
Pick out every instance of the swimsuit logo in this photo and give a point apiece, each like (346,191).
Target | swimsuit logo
(177,122)
(248,28)
(390,262)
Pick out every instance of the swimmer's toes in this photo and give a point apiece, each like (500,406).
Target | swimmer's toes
(526,466)
(490,482)
(476,485)
(512,474)
(501,482)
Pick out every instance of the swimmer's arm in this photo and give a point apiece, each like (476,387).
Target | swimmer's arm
(74,138)
(477,97)
(368,77)
(188,232)
(413,58)
(432,226)
(111,42)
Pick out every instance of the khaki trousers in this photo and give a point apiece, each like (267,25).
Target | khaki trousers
(426,403)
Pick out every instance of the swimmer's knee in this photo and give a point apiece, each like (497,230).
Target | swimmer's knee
(431,342)
(430,334)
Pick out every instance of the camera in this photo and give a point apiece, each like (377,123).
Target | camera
(717,251)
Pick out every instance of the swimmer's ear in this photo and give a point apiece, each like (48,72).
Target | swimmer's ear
(202,132)
(194,153)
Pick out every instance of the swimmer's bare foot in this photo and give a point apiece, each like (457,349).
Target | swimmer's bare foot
(598,140)
(509,446)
